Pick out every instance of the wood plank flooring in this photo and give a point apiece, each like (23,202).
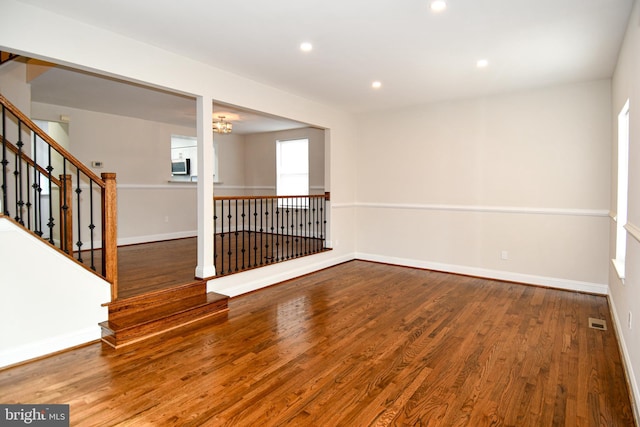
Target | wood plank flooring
(359,344)
(149,267)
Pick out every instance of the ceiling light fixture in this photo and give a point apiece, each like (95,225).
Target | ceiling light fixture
(306,47)
(221,126)
(482,63)
(376,85)
(438,5)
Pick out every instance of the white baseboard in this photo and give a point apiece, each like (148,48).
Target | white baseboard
(263,277)
(156,237)
(626,361)
(47,346)
(552,282)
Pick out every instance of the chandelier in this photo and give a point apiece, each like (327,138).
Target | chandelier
(221,126)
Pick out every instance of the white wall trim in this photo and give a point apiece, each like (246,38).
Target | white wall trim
(343,205)
(626,360)
(47,346)
(489,209)
(235,285)
(552,282)
(156,237)
(181,185)
(169,186)
(633,230)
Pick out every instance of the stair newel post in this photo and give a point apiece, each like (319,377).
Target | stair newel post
(110,232)
(66,214)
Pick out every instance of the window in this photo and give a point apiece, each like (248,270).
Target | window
(186,148)
(292,167)
(623,185)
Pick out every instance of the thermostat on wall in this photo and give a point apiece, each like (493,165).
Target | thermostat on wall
(96,164)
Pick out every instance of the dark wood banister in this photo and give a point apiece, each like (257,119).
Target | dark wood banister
(326,196)
(107,183)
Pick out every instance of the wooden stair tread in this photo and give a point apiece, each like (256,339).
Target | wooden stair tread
(143,316)
(159,296)
(166,309)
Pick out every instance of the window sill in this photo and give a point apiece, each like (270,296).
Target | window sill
(618,266)
(189,180)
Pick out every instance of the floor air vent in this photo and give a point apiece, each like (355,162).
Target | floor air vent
(597,324)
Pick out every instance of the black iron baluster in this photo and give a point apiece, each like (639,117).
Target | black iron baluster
(261,233)
(92,226)
(249,233)
(323,204)
(222,237)
(236,232)
(278,230)
(50,223)
(28,204)
(37,196)
(17,173)
(255,234)
(215,236)
(273,253)
(229,253)
(78,193)
(65,208)
(242,234)
(266,221)
(5,162)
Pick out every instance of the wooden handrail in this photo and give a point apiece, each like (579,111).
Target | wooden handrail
(310,196)
(59,148)
(7,56)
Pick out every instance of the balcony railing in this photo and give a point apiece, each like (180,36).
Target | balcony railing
(255,231)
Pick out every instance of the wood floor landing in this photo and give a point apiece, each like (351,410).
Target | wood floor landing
(358,344)
(149,267)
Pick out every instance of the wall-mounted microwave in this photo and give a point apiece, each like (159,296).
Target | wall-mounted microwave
(181,167)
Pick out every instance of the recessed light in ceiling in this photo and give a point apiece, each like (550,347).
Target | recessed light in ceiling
(438,5)
(306,47)
(376,85)
(482,63)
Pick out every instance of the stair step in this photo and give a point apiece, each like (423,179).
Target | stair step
(142,317)
(124,307)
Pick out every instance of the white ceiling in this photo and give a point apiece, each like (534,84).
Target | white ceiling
(419,56)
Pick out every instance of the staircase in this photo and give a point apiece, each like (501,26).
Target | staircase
(50,194)
(144,316)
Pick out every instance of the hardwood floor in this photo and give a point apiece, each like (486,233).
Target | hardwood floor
(148,267)
(355,345)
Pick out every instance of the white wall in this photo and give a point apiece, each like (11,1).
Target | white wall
(625,297)
(13,77)
(452,185)
(41,310)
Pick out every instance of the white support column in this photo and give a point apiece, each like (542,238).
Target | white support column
(205,266)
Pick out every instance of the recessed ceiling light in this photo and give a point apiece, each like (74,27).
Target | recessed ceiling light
(482,63)
(376,85)
(306,47)
(438,5)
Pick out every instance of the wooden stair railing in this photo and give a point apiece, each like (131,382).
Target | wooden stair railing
(49,192)
(7,56)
